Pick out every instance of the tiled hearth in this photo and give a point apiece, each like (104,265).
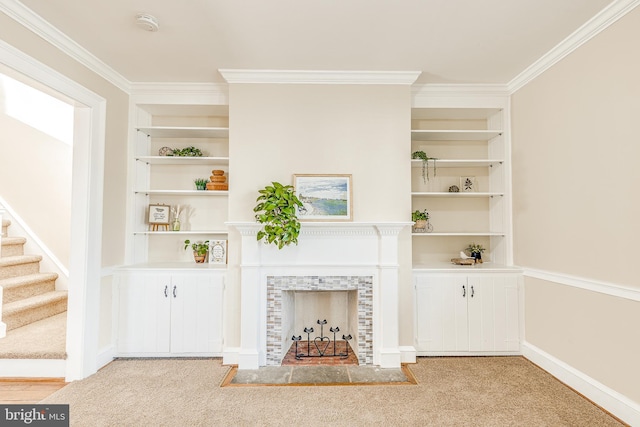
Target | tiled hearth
(350,257)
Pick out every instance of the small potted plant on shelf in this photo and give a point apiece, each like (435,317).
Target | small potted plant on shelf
(186,152)
(421,155)
(277,211)
(475,251)
(421,220)
(201,183)
(200,250)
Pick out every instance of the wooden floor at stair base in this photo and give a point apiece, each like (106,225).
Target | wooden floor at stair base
(16,391)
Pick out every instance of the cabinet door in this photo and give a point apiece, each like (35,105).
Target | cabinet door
(144,313)
(196,312)
(493,313)
(441,313)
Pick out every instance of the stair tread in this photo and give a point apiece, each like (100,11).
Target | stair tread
(13,241)
(44,339)
(19,259)
(34,301)
(27,279)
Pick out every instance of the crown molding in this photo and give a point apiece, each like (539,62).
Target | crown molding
(459,95)
(320,77)
(33,22)
(586,32)
(196,93)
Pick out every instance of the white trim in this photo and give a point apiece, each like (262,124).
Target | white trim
(109,271)
(231,356)
(180,93)
(33,368)
(586,32)
(105,356)
(320,77)
(86,209)
(33,22)
(606,288)
(459,96)
(614,402)
(407,354)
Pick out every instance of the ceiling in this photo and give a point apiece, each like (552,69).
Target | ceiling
(450,41)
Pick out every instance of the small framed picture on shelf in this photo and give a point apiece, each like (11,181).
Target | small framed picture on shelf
(468,184)
(159,217)
(217,252)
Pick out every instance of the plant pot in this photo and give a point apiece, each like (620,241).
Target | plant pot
(420,226)
(477,256)
(201,187)
(199,258)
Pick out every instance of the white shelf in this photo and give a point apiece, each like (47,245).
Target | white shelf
(185,132)
(459,163)
(487,267)
(207,193)
(176,265)
(179,160)
(454,135)
(462,195)
(479,234)
(186,232)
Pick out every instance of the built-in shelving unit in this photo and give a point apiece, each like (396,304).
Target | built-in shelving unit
(169,180)
(465,143)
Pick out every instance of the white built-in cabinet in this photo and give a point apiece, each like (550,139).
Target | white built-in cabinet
(166,304)
(467,313)
(464,310)
(170,312)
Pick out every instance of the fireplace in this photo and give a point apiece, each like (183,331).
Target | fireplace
(356,258)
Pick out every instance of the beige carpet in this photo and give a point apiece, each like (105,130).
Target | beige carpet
(45,339)
(495,391)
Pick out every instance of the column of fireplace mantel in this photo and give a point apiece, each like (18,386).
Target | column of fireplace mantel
(353,248)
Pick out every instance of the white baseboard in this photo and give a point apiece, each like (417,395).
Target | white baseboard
(617,404)
(231,356)
(407,354)
(33,368)
(105,356)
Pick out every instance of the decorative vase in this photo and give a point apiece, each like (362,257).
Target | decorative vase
(477,256)
(420,226)
(199,258)
(176,224)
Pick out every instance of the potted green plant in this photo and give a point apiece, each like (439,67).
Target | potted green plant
(277,210)
(475,251)
(186,152)
(421,220)
(421,155)
(200,249)
(201,183)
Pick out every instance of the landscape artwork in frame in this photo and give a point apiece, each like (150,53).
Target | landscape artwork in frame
(324,197)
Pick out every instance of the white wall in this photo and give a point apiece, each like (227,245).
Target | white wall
(35,172)
(278,130)
(575,175)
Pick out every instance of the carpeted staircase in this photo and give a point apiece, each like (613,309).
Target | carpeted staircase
(33,310)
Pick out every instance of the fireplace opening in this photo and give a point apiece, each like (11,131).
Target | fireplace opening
(339,309)
(321,327)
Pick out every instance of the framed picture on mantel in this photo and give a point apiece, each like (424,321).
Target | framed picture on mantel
(324,197)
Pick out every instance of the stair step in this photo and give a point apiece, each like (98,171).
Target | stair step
(21,287)
(20,265)
(29,310)
(12,246)
(44,339)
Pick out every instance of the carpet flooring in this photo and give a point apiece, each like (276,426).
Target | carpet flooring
(451,391)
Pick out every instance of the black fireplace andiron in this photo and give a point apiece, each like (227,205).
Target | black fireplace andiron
(322,342)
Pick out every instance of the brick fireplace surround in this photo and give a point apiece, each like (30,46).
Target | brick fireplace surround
(331,256)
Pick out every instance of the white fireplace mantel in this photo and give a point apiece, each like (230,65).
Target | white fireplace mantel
(324,249)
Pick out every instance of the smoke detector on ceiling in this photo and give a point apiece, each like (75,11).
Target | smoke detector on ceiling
(147,22)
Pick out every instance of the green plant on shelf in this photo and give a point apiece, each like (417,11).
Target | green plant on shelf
(201,183)
(421,155)
(186,152)
(199,248)
(277,211)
